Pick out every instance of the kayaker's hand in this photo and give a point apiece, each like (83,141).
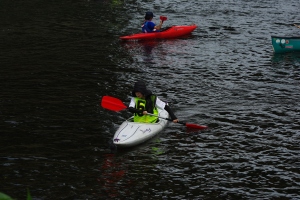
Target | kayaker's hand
(158,26)
(175,120)
(145,112)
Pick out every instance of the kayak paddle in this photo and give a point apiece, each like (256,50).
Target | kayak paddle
(114,104)
(183,123)
(297,25)
(163,18)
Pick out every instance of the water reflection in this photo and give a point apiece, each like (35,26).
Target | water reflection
(112,173)
(159,53)
(292,58)
(145,46)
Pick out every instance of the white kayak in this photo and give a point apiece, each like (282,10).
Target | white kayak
(133,133)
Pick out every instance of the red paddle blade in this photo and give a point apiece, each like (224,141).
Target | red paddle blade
(196,126)
(163,18)
(112,103)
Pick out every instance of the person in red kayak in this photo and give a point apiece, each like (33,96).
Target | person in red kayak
(143,102)
(149,26)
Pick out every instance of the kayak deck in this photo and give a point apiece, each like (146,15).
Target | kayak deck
(133,133)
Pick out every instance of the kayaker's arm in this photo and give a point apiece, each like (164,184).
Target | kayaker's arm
(158,26)
(172,115)
(162,104)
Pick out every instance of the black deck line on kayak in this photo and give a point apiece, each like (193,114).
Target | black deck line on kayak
(123,129)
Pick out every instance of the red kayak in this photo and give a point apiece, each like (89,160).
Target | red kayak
(172,32)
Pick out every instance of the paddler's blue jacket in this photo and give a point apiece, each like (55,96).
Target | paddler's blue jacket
(148,27)
(148,104)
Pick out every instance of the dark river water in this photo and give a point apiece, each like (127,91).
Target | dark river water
(58,58)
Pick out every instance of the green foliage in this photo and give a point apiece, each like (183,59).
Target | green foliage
(28,195)
(6,197)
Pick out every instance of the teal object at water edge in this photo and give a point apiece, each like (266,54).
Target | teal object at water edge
(285,44)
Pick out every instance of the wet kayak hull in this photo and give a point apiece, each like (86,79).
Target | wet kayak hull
(172,32)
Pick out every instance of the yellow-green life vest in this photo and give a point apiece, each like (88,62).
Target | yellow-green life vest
(140,104)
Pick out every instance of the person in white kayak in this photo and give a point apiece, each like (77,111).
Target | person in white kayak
(144,102)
